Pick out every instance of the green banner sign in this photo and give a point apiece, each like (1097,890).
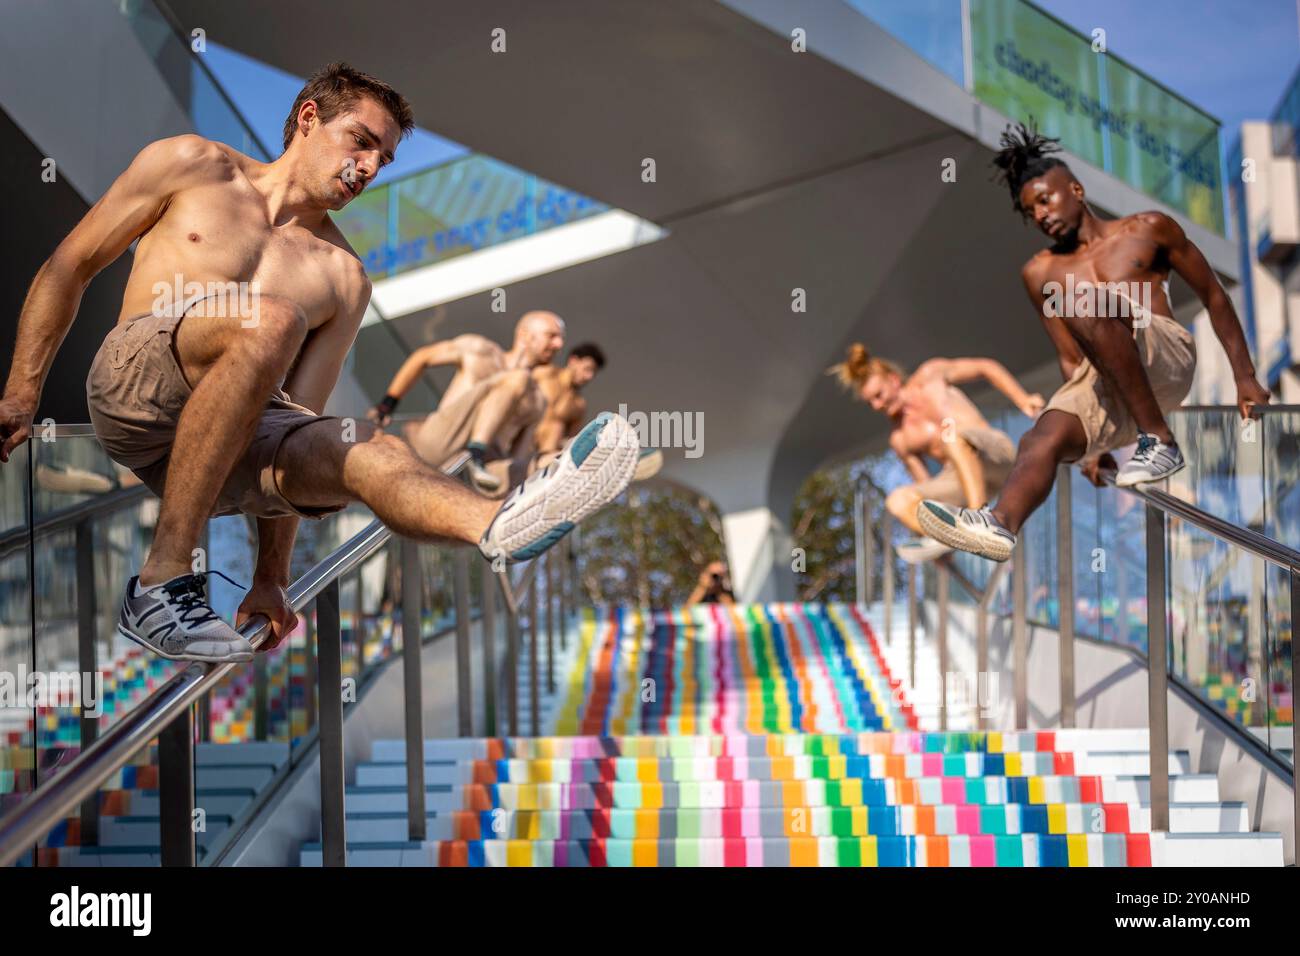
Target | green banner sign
(1028,65)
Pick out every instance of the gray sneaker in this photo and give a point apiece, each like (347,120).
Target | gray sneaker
(968,529)
(1153,461)
(174,621)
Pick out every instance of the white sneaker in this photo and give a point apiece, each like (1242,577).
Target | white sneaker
(648,464)
(174,621)
(921,550)
(1153,461)
(976,531)
(591,471)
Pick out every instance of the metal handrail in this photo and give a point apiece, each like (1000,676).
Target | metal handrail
(1159,506)
(35,816)
(1245,538)
(71,516)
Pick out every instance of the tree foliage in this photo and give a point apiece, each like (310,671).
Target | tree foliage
(648,546)
(822,526)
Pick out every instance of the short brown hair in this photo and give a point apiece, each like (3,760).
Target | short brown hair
(337,87)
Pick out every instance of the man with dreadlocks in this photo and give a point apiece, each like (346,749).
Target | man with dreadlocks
(1124,360)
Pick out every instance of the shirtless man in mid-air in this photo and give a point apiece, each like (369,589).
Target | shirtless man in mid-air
(1126,362)
(932,418)
(565,407)
(213,397)
(492,406)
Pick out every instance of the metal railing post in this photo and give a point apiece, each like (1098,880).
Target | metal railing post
(412,611)
(574,543)
(488,627)
(1157,670)
(911,627)
(1065,591)
(869,550)
(859,548)
(941,635)
(359,627)
(562,592)
(176,789)
(464,677)
(512,670)
(309,667)
(887,575)
(534,662)
(87,663)
(1295,727)
(550,623)
(1020,636)
(329,674)
(982,660)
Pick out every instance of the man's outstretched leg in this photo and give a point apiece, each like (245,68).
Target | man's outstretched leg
(1109,344)
(316,468)
(497,406)
(991,532)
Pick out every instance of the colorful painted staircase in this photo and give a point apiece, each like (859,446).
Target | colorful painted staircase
(775,735)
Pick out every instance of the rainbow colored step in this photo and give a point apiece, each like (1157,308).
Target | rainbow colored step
(747,669)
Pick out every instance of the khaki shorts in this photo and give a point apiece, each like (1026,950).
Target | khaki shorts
(1168,354)
(444,434)
(996,453)
(136,392)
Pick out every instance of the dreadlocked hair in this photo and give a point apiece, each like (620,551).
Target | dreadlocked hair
(1025,155)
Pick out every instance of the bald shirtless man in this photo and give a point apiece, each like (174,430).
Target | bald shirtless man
(1126,362)
(932,418)
(492,406)
(213,396)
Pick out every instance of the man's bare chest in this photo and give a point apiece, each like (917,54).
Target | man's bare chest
(1122,259)
(232,242)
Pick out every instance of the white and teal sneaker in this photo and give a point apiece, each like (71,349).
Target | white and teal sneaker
(921,550)
(591,471)
(967,529)
(1153,461)
(648,464)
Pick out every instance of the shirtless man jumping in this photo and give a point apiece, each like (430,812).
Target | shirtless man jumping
(492,406)
(186,390)
(932,418)
(565,406)
(1125,363)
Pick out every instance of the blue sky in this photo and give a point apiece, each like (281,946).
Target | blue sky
(1230,57)
(264,95)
